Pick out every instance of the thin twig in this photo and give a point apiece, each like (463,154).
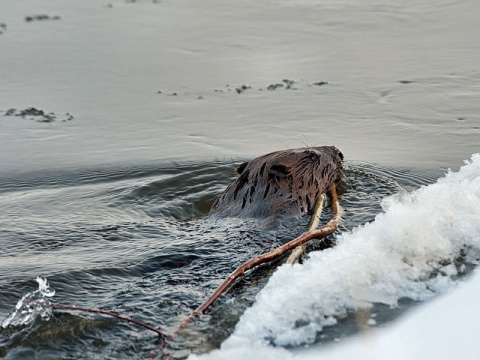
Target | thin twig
(314,221)
(337,210)
(97,311)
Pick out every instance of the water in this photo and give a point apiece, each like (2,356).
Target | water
(109,199)
(139,242)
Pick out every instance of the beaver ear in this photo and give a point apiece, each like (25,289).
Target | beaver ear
(239,169)
(339,152)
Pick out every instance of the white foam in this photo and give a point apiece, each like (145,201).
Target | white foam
(418,235)
(32,305)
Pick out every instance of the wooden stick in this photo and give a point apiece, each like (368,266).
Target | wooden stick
(271,255)
(97,311)
(319,205)
(314,221)
(337,211)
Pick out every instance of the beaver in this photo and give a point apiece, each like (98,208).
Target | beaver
(280,183)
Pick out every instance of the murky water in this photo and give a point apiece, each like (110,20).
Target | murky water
(139,242)
(121,122)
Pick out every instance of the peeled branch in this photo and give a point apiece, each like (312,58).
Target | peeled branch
(315,220)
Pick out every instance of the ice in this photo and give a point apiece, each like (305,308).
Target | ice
(32,305)
(409,251)
(444,329)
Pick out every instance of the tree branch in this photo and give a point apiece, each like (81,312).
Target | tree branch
(315,220)
(97,311)
(273,254)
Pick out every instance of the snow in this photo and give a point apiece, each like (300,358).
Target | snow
(445,328)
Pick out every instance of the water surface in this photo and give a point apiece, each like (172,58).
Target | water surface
(139,241)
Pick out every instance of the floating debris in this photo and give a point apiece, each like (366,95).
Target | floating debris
(3,27)
(274,86)
(242,88)
(289,84)
(285,84)
(34,114)
(10,112)
(41,18)
(139,1)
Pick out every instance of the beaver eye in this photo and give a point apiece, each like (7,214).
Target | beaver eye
(279,169)
(239,169)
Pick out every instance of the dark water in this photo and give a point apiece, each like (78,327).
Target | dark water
(138,241)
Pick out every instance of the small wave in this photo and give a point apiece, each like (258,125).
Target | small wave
(415,249)
(31,305)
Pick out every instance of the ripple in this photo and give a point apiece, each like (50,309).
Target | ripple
(139,241)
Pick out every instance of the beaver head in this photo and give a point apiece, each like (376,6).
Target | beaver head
(286,182)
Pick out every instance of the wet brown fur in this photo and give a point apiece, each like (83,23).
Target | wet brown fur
(286,182)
